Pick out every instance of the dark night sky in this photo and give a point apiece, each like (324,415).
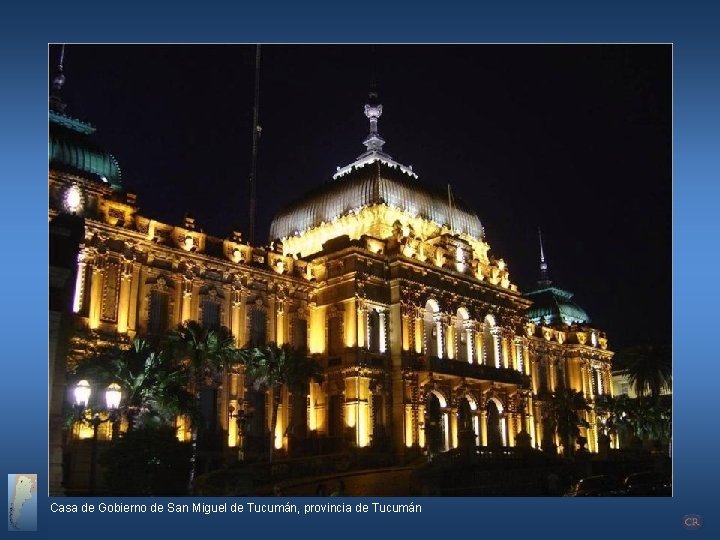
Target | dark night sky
(573,139)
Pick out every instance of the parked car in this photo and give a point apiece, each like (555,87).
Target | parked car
(595,486)
(648,484)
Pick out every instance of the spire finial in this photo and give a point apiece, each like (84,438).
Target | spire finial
(544,278)
(373,111)
(58,82)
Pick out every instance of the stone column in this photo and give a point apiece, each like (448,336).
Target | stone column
(79,292)
(135,288)
(505,350)
(479,346)
(512,428)
(124,299)
(483,428)
(238,315)
(552,375)
(453,427)
(406,331)
(280,335)
(450,339)
(439,334)
(383,330)
(419,331)
(584,376)
(469,341)
(361,324)
(519,364)
(96,286)
(495,332)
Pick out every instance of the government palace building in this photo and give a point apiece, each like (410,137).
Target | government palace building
(424,340)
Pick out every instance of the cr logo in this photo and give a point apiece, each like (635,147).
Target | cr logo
(692,521)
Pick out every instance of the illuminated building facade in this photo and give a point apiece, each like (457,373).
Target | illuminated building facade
(424,340)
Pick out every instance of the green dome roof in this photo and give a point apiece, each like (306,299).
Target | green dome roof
(71,149)
(552,305)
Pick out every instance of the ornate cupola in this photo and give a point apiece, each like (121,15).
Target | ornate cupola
(553,306)
(367,197)
(71,148)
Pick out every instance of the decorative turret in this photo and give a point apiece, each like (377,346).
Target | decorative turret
(552,305)
(71,148)
(544,279)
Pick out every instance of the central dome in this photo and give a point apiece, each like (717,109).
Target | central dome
(379,181)
(374,179)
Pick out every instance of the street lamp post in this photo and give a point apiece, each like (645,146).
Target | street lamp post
(242,416)
(113,396)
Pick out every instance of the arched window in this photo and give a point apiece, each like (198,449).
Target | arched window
(434,425)
(463,336)
(494,424)
(489,342)
(432,327)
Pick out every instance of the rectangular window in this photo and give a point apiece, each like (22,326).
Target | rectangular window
(210,314)
(258,327)
(299,337)
(335,338)
(159,312)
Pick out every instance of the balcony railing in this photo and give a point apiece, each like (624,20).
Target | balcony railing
(464,369)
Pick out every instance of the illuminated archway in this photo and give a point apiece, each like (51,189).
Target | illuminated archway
(437,432)
(495,423)
(433,329)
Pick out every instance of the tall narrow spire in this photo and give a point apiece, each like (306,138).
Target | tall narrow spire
(544,278)
(58,82)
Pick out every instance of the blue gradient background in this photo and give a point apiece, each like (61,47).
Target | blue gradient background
(23,143)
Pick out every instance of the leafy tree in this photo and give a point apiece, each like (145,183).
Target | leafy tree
(649,368)
(561,413)
(644,418)
(270,367)
(152,389)
(204,355)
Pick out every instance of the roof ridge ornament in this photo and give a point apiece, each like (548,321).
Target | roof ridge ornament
(373,142)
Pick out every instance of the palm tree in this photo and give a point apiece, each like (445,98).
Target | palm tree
(560,412)
(204,354)
(649,368)
(151,387)
(270,367)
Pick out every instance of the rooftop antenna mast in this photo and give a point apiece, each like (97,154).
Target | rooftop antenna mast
(255,136)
